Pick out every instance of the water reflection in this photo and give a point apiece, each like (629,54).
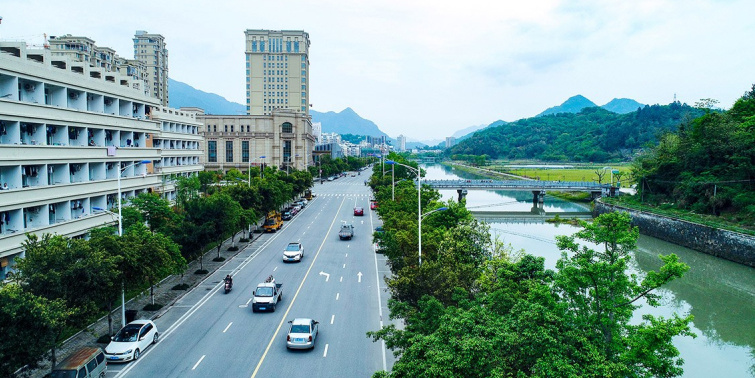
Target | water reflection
(719,293)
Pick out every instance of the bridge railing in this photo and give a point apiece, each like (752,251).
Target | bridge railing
(516,184)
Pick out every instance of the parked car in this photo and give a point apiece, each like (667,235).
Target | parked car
(379,229)
(358,211)
(83,363)
(302,333)
(331,178)
(293,252)
(129,343)
(377,247)
(373,205)
(286,215)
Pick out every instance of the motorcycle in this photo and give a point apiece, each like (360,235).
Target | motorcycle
(228,286)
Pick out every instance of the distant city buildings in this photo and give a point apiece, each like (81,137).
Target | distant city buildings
(69,129)
(317,131)
(277,71)
(401,141)
(150,49)
(450,142)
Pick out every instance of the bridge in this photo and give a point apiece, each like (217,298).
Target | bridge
(537,187)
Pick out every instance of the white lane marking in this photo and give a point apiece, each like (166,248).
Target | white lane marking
(327,276)
(341,280)
(325,353)
(228,326)
(247,302)
(347,255)
(360,276)
(332,318)
(197,364)
(338,295)
(344,266)
(348,245)
(276,268)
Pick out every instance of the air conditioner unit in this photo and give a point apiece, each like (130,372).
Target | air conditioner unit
(29,87)
(73,95)
(108,102)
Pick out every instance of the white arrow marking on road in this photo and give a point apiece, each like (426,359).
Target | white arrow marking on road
(327,276)
(197,364)
(360,276)
(229,326)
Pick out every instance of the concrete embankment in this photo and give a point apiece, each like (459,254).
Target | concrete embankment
(730,245)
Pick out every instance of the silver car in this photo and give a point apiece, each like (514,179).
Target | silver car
(302,333)
(293,252)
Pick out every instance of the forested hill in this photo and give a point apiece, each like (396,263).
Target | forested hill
(593,134)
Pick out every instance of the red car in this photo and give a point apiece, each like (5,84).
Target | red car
(358,211)
(373,205)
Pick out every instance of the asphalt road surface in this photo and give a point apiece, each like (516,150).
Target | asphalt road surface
(338,283)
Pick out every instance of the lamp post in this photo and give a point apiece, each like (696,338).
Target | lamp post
(120,233)
(611,169)
(262,166)
(393,185)
(419,229)
(419,200)
(249,169)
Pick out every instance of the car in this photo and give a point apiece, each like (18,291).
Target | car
(286,215)
(293,252)
(302,333)
(377,247)
(331,178)
(295,210)
(131,341)
(373,205)
(353,174)
(358,211)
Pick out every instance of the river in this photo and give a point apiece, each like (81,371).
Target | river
(719,293)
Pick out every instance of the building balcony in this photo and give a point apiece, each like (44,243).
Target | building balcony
(39,154)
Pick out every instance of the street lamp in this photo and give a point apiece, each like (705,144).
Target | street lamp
(612,170)
(120,234)
(262,166)
(420,229)
(419,200)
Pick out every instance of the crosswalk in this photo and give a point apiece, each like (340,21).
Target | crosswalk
(343,195)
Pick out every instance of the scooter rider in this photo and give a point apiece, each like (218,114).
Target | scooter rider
(229,279)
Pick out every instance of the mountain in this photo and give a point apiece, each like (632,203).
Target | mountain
(573,105)
(468,130)
(183,95)
(592,135)
(494,124)
(346,122)
(622,105)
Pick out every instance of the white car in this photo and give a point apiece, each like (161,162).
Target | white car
(293,252)
(131,341)
(302,334)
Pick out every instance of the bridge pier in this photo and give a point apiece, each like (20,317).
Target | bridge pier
(462,194)
(538,196)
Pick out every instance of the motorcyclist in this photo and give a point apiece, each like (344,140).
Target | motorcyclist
(229,280)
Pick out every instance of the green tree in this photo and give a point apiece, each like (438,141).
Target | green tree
(155,255)
(600,299)
(154,210)
(30,326)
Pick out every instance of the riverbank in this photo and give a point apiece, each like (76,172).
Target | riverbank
(730,245)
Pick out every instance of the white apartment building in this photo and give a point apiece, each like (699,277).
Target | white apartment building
(150,49)
(401,141)
(68,132)
(277,71)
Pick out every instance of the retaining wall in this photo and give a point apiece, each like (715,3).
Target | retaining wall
(726,244)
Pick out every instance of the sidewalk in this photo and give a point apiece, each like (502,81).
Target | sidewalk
(163,295)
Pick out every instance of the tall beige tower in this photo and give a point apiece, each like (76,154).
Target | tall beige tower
(277,71)
(150,49)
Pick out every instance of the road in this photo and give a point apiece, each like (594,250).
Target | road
(338,283)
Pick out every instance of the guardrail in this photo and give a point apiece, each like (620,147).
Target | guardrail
(518,185)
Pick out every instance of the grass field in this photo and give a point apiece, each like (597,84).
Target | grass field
(568,174)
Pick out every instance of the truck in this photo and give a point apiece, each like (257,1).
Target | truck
(347,231)
(267,295)
(273,221)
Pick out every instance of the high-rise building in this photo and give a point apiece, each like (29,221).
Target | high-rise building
(401,141)
(72,137)
(277,71)
(150,49)
(450,142)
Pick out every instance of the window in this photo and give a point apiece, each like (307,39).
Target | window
(229,151)
(226,128)
(245,151)
(231,128)
(287,127)
(212,151)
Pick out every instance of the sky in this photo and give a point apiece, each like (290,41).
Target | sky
(426,69)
